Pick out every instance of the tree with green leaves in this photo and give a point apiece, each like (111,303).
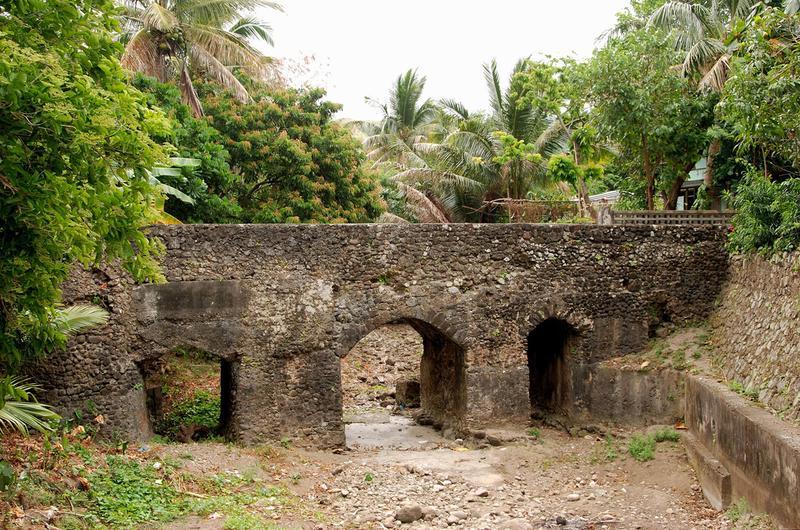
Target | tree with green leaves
(503,155)
(760,103)
(75,149)
(211,185)
(294,163)
(405,121)
(176,40)
(653,115)
(707,32)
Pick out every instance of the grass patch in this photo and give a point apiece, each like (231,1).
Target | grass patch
(642,448)
(750,393)
(126,493)
(667,435)
(610,448)
(534,433)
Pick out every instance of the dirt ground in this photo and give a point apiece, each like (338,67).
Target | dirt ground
(391,465)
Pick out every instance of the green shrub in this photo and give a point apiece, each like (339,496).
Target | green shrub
(768,215)
(202,410)
(127,493)
(642,448)
(534,433)
(611,451)
(667,435)
(7,475)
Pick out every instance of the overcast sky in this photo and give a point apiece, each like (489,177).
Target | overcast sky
(361,46)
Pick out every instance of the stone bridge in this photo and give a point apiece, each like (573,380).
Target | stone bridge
(513,317)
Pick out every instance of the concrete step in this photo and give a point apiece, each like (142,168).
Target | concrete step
(714,478)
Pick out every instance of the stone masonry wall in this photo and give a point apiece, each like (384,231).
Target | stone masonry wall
(283,304)
(757,330)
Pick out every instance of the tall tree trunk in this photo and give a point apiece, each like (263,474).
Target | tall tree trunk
(649,175)
(584,202)
(708,178)
(671,200)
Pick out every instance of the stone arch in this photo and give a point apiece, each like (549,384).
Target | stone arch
(443,394)
(549,353)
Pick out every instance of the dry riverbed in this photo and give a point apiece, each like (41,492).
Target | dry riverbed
(419,480)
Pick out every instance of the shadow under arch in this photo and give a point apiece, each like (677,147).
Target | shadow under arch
(442,377)
(549,348)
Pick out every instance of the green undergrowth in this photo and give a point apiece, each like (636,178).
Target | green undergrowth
(743,518)
(192,401)
(201,409)
(643,447)
(748,392)
(605,452)
(126,493)
(104,485)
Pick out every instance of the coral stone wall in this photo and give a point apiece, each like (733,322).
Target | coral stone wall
(757,330)
(282,304)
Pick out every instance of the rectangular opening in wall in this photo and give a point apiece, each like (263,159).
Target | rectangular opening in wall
(189,395)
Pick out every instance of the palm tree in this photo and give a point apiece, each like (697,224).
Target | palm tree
(705,31)
(404,123)
(179,39)
(19,409)
(470,168)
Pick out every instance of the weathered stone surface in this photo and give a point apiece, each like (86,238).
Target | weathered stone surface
(757,330)
(407,393)
(282,304)
(628,396)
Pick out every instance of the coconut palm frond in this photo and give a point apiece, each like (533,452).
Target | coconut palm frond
(692,18)
(159,18)
(19,409)
(742,8)
(717,75)
(141,55)
(425,210)
(438,179)
(456,108)
(252,28)
(389,218)
(207,63)
(553,140)
(703,53)
(72,319)
(492,77)
(189,94)
(218,12)
(229,49)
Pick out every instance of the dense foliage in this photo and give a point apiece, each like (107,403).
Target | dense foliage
(178,40)
(761,102)
(653,115)
(295,164)
(212,184)
(74,146)
(767,215)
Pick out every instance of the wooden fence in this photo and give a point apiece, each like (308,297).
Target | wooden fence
(688,217)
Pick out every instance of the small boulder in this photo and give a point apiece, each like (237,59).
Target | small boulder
(409,513)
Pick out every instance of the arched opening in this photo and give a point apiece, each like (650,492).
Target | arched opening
(190,394)
(549,346)
(403,373)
